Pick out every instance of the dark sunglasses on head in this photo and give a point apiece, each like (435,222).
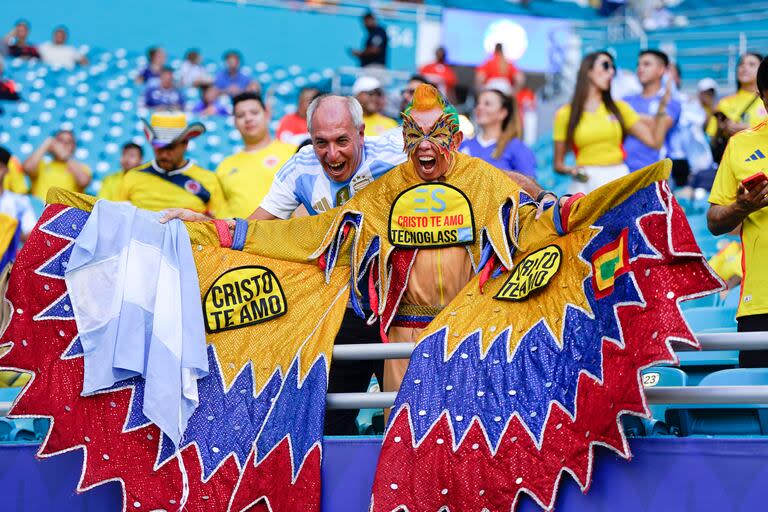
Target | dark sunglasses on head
(608,65)
(410,92)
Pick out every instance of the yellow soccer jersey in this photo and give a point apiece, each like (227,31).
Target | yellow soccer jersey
(54,174)
(744,156)
(145,189)
(246,176)
(377,124)
(727,262)
(110,187)
(15,180)
(597,139)
(733,106)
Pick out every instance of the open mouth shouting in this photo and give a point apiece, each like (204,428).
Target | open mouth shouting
(427,162)
(337,169)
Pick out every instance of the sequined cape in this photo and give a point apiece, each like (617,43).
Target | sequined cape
(515,382)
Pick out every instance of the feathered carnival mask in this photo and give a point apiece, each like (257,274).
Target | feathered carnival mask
(441,134)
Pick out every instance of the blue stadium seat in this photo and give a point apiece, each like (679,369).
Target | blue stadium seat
(711,319)
(733,297)
(701,302)
(6,428)
(41,426)
(662,376)
(725,420)
(9,394)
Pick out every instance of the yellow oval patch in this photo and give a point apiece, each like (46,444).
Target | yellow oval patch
(243,296)
(532,273)
(431,215)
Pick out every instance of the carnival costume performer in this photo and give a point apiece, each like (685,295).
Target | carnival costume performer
(528,367)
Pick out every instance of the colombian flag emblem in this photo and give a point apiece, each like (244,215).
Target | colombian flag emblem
(608,263)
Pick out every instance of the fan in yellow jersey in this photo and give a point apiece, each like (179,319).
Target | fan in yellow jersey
(171,180)
(131,156)
(594,125)
(369,93)
(246,176)
(15,180)
(62,170)
(744,109)
(731,204)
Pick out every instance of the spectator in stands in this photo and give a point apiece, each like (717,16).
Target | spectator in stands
(15,180)
(368,92)
(652,68)
(374,52)
(500,139)
(731,204)
(131,157)
(293,127)
(441,74)
(192,73)
(406,96)
(727,264)
(59,54)
(15,205)
(690,143)
(61,170)
(246,176)
(151,74)
(231,79)
(499,73)
(593,126)
(8,89)
(211,102)
(171,179)
(16,41)
(164,95)
(743,109)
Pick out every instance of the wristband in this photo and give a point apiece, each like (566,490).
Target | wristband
(543,193)
(238,239)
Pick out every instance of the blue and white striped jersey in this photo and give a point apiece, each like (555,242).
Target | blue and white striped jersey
(302,180)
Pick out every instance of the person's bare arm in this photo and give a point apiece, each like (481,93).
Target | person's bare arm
(262,214)
(193,216)
(526,183)
(653,134)
(558,162)
(82,177)
(722,219)
(31,164)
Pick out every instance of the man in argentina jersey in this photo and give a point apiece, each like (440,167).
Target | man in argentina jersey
(340,163)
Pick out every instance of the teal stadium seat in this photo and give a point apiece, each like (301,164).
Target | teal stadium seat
(699,364)
(6,428)
(725,420)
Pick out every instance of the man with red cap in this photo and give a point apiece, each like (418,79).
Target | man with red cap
(171,180)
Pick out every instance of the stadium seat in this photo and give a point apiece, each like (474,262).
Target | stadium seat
(6,428)
(9,394)
(711,319)
(701,302)
(721,419)
(733,297)
(662,376)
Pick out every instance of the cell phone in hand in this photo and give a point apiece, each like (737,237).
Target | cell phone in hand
(754,181)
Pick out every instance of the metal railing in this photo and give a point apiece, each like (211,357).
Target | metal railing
(654,395)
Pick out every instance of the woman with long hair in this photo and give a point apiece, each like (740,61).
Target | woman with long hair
(594,126)
(743,109)
(499,141)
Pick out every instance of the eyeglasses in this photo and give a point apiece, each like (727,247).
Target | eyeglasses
(608,65)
